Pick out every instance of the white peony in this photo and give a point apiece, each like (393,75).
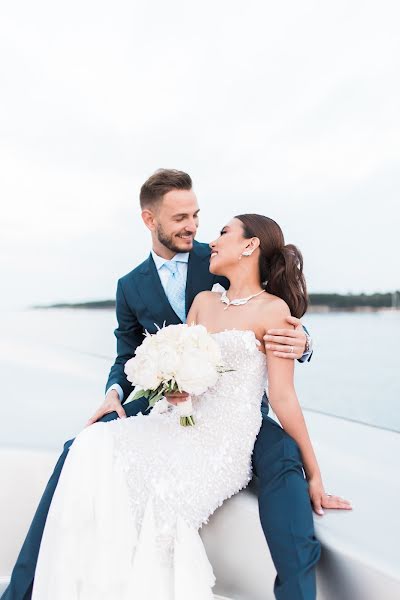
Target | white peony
(143,371)
(177,357)
(197,336)
(196,373)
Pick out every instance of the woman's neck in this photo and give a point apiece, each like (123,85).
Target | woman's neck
(243,285)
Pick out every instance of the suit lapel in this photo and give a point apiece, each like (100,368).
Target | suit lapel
(199,277)
(152,292)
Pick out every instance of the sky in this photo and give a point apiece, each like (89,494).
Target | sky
(289,109)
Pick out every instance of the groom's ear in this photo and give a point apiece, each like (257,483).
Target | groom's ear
(148,219)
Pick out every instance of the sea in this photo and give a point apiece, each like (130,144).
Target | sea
(54,364)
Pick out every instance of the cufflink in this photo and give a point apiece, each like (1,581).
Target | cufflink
(309,343)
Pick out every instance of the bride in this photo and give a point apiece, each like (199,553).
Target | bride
(124,519)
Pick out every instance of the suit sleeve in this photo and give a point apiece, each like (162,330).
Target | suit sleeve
(129,334)
(307,355)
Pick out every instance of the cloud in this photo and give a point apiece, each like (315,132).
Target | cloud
(290,109)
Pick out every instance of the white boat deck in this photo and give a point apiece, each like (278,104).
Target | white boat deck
(360,548)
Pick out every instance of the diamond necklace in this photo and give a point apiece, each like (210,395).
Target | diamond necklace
(237,301)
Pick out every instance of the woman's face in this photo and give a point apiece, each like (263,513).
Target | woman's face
(225,250)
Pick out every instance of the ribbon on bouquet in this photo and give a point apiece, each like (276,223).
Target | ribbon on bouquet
(184,410)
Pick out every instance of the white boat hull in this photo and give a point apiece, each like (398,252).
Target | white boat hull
(360,551)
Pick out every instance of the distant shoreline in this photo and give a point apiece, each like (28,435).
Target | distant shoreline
(318,303)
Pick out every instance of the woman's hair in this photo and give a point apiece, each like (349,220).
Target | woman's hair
(281,266)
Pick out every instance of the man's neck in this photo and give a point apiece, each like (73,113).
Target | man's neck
(166,253)
(162,251)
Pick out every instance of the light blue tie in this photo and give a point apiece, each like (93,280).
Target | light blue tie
(176,287)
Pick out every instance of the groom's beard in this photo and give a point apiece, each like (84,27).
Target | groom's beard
(171,241)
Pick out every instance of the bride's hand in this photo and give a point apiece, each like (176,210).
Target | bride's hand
(176,397)
(320,499)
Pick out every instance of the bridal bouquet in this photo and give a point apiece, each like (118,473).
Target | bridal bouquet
(176,358)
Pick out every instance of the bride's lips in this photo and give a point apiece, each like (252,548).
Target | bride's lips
(213,255)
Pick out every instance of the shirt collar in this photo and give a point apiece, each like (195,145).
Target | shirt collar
(179,257)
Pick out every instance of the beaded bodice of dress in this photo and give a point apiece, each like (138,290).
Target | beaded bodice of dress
(227,420)
(242,388)
(134,492)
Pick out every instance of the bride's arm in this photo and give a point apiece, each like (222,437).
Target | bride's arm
(283,399)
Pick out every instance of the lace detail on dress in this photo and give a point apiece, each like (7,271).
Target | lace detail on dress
(190,471)
(123,522)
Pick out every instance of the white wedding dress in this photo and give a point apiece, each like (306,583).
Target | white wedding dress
(123,523)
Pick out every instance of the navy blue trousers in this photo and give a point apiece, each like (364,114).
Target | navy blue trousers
(284,507)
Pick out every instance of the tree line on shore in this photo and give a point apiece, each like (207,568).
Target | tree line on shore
(356,300)
(339,301)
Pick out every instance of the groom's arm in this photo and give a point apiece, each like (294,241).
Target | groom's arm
(294,343)
(308,352)
(129,334)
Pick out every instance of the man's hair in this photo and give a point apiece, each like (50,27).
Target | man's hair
(160,183)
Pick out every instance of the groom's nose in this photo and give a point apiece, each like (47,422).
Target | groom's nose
(191,227)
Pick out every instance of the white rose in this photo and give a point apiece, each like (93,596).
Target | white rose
(195,373)
(143,370)
(171,334)
(168,361)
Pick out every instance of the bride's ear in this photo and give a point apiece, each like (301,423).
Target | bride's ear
(253,244)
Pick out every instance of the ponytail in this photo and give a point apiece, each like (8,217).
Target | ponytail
(282,276)
(281,266)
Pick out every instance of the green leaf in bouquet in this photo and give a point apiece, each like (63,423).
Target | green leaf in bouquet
(187,421)
(135,395)
(170,386)
(141,394)
(157,396)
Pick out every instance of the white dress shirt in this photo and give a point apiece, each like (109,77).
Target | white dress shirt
(181,258)
(164,274)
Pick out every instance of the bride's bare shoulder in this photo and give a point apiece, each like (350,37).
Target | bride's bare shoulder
(273,309)
(200,303)
(206,297)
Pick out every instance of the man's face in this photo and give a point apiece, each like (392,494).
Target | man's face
(176,220)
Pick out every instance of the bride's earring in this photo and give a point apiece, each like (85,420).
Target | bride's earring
(246,253)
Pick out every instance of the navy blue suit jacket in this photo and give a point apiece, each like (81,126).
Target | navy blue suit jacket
(142,304)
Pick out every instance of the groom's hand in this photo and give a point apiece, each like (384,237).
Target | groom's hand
(287,343)
(111,403)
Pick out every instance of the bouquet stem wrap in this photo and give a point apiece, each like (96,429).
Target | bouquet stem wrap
(185,410)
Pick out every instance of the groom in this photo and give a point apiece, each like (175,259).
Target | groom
(162,289)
